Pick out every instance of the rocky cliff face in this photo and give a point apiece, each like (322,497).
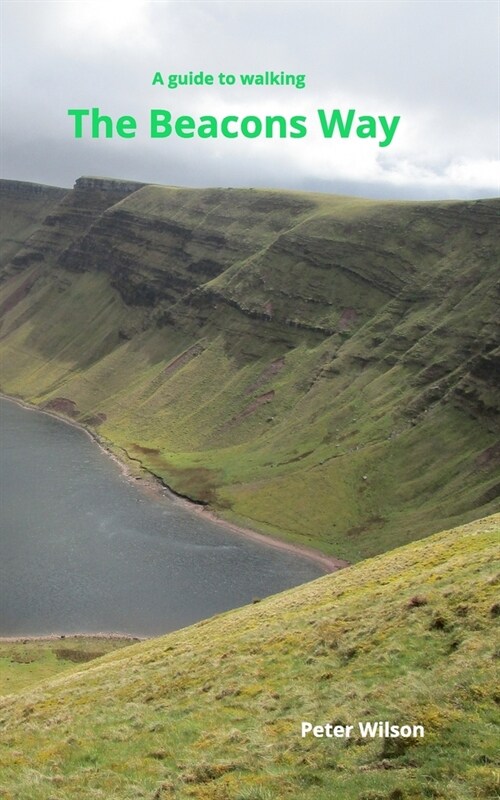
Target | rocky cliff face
(23,207)
(299,329)
(22,189)
(89,184)
(160,246)
(71,217)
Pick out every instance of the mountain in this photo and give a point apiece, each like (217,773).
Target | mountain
(214,711)
(318,367)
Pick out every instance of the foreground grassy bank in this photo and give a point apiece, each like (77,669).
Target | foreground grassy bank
(213,711)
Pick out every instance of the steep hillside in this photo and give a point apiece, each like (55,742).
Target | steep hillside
(23,208)
(214,711)
(320,367)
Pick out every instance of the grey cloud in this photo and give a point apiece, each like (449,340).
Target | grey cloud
(434,63)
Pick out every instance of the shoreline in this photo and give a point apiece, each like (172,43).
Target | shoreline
(65,637)
(149,483)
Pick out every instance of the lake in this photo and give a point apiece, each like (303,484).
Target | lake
(84,550)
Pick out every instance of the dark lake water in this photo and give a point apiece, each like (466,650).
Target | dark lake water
(84,550)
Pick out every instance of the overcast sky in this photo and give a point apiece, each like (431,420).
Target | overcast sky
(435,64)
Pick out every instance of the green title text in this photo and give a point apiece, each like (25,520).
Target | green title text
(163,124)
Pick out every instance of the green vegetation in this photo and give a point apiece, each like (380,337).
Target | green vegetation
(23,208)
(321,368)
(214,711)
(24,662)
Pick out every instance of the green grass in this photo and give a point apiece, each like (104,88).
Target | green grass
(214,711)
(24,662)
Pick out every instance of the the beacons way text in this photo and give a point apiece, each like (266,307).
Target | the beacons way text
(334,123)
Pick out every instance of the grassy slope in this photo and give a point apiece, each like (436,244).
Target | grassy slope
(352,441)
(24,662)
(213,711)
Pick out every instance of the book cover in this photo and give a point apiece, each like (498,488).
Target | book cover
(249,361)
